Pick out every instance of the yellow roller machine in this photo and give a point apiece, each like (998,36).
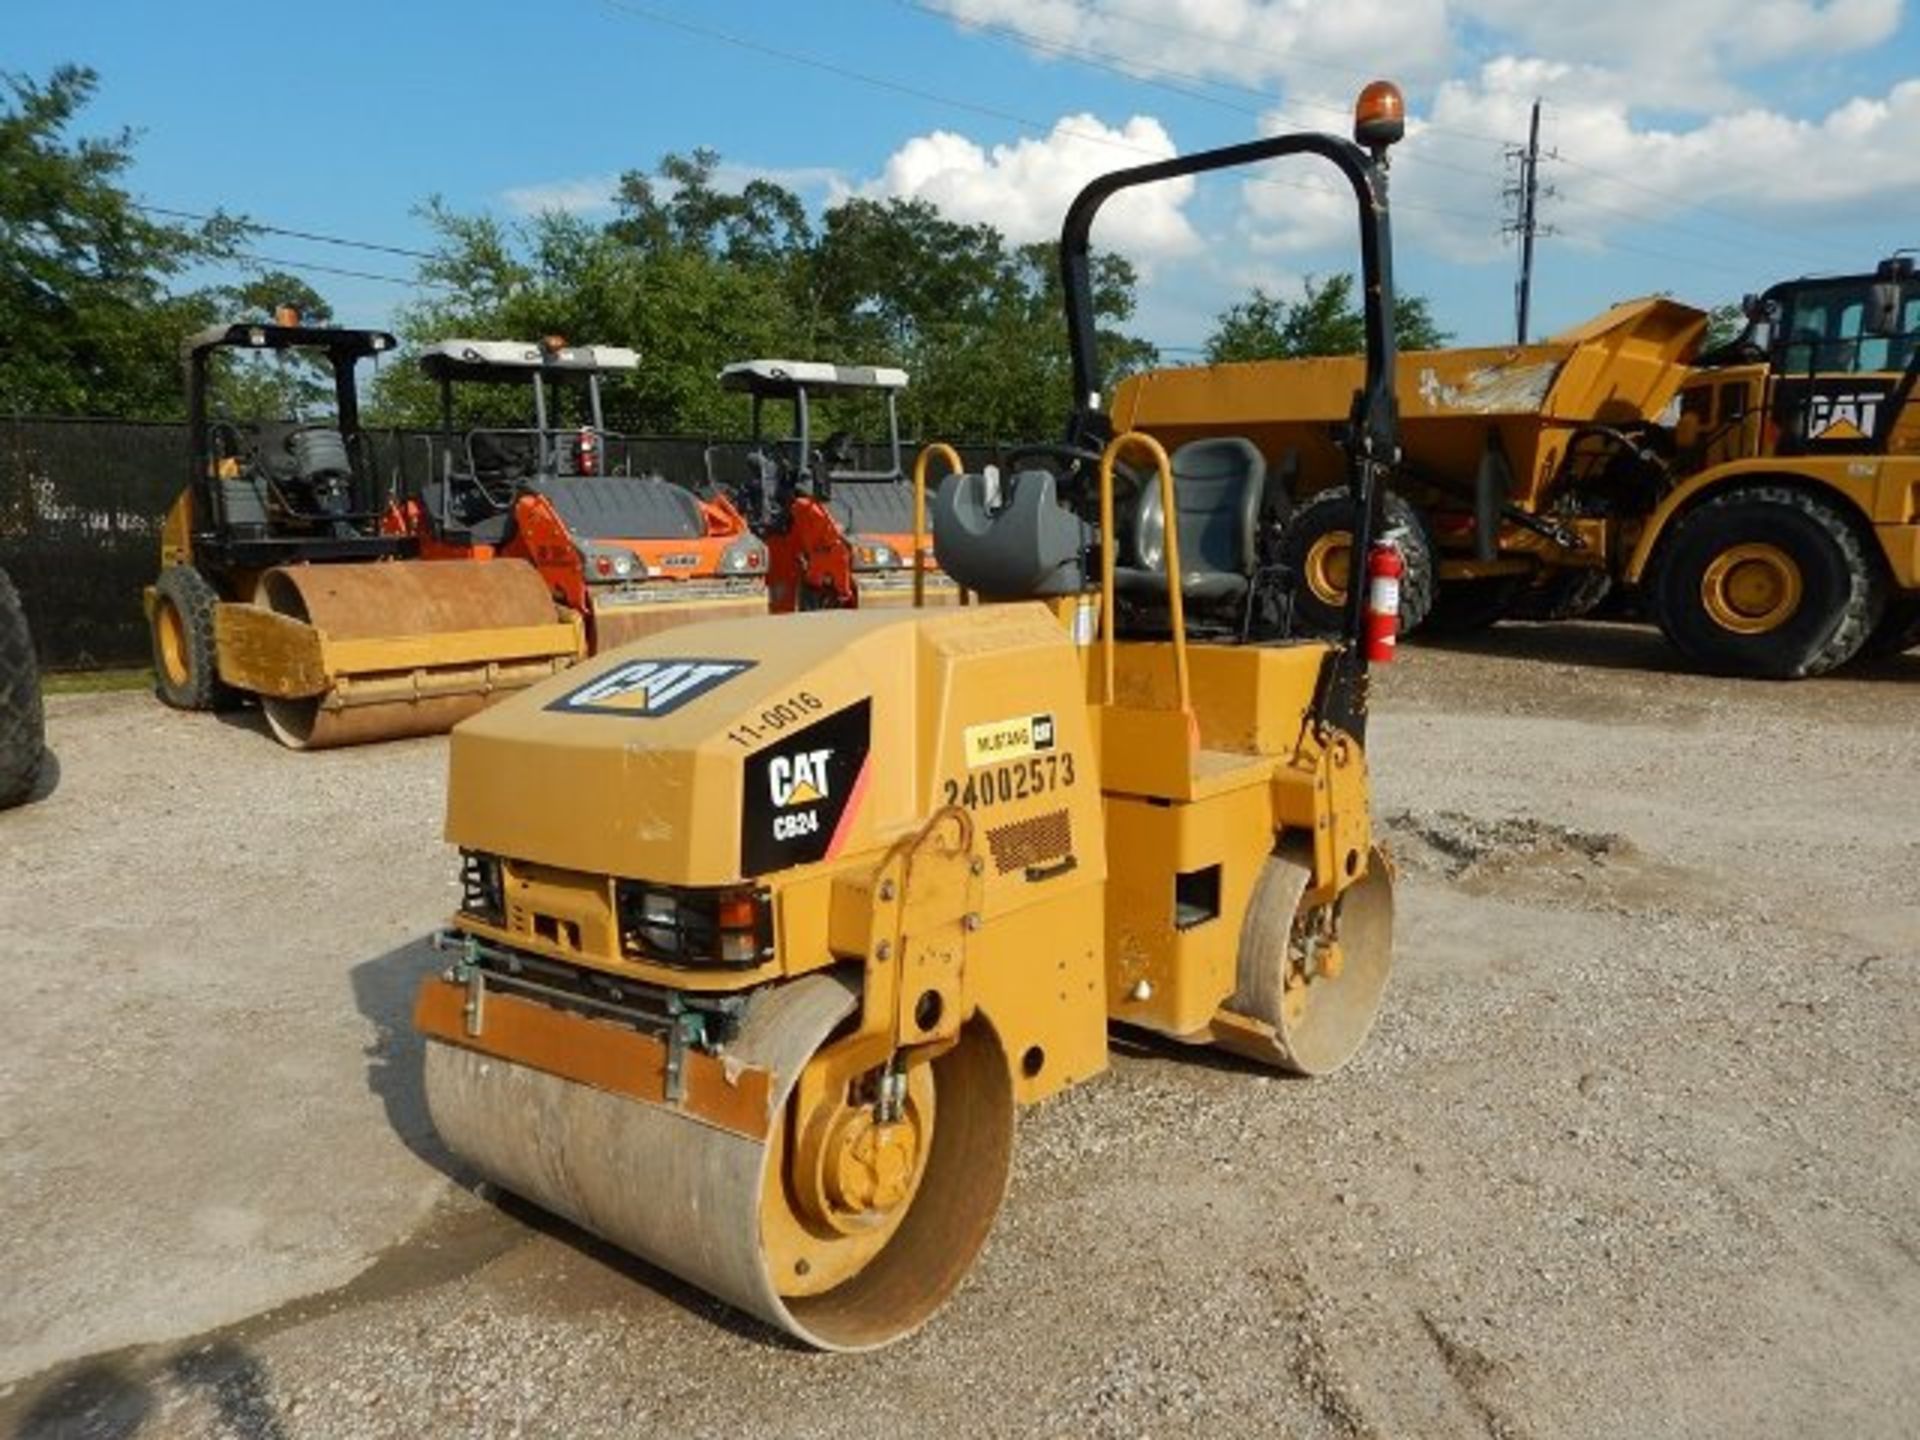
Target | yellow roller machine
(278,579)
(769,925)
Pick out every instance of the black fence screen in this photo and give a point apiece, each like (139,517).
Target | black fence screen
(81,504)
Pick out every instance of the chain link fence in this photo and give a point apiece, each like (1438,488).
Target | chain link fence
(82,501)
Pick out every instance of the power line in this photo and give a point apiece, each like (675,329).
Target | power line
(265,229)
(318,269)
(1286,57)
(1699,205)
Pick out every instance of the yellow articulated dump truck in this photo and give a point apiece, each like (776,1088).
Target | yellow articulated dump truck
(769,925)
(1762,500)
(281,580)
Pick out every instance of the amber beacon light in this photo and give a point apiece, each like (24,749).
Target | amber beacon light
(1380,116)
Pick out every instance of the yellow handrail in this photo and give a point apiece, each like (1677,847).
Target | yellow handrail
(1176,608)
(952,456)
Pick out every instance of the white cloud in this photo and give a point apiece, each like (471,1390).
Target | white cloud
(1023,188)
(584,195)
(1249,41)
(1678,55)
(1683,56)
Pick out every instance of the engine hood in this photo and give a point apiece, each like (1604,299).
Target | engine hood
(716,752)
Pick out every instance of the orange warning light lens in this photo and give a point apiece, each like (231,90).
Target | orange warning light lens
(1380,115)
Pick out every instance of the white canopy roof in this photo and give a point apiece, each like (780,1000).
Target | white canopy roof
(783,377)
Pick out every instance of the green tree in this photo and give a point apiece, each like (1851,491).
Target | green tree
(283,384)
(1325,320)
(694,277)
(88,323)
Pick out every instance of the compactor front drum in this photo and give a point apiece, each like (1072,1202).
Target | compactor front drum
(848,1242)
(349,653)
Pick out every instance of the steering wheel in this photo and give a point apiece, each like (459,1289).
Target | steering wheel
(1073,455)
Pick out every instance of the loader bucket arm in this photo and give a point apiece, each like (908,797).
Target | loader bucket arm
(1374,429)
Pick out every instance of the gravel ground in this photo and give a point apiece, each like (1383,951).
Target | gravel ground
(1635,1148)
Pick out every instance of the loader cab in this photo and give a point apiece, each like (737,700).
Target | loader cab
(1841,353)
(831,500)
(266,490)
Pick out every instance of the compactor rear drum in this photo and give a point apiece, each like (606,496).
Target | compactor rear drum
(837,1230)
(1310,978)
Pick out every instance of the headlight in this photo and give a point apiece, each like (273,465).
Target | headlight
(876,556)
(730,926)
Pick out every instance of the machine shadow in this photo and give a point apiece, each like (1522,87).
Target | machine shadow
(112,1397)
(46,779)
(383,991)
(1591,645)
(98,1398)
(1621,645)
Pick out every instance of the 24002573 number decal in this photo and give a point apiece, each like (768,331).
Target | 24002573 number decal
(1009,784)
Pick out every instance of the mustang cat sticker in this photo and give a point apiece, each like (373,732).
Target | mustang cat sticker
(649,688)
(1008,739)
(803,791)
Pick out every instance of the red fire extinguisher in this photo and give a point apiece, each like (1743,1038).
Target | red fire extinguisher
(588,451)
(1385,567)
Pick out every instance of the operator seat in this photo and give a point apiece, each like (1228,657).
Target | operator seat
(1218,485)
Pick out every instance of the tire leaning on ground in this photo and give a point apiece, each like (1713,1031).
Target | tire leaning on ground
(1317,547)
(23,725)
(1767,581)
(185,672)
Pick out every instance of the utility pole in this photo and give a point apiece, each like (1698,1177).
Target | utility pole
(1525,192)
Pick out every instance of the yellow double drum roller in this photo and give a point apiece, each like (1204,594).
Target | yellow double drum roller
(769,925)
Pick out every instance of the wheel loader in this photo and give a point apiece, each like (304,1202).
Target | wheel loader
(769,926)
(837,528)
(629,552)
(1761,502)
(277,580)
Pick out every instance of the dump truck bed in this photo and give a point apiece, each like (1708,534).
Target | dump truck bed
(1622,367)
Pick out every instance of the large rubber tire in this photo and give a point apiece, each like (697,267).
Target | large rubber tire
(1897,632)
(1818,593)
(1316,531)
(185,672)
(23,725)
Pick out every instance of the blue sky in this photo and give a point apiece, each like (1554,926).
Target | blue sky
(1704,150)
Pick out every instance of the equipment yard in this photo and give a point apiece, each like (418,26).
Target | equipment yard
(1634,1149)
